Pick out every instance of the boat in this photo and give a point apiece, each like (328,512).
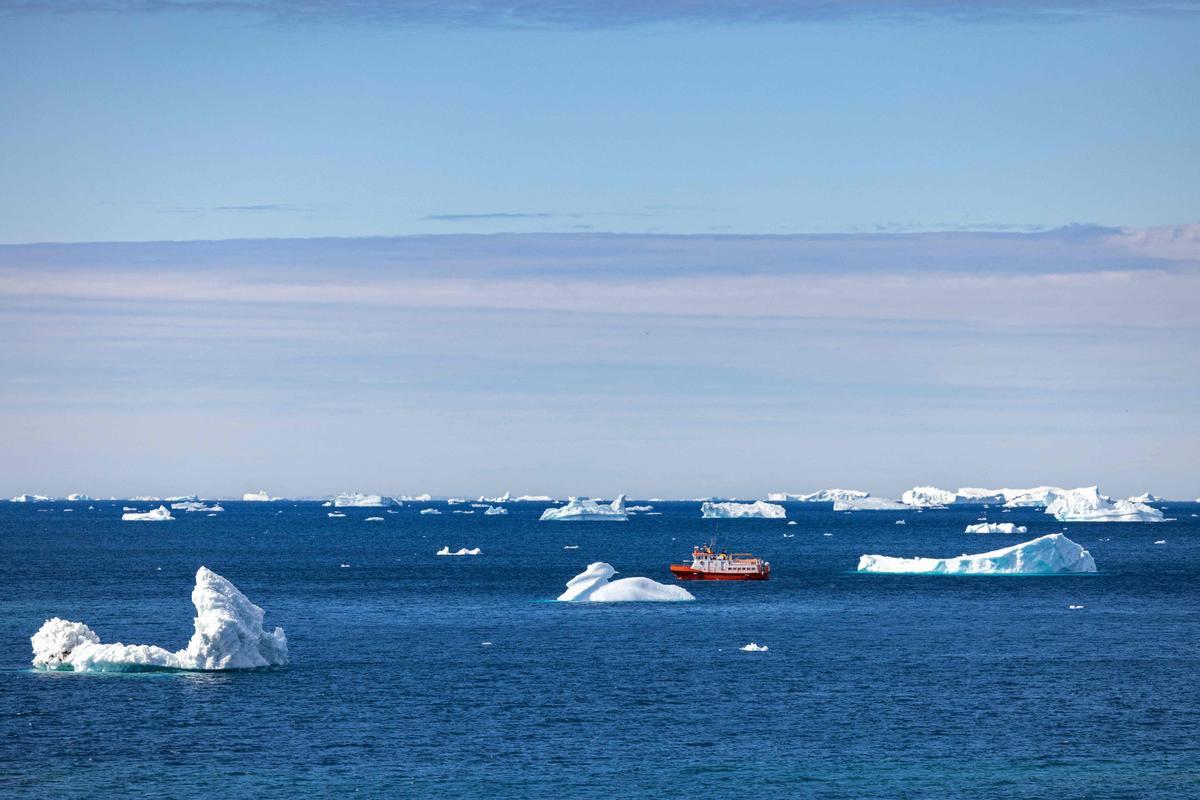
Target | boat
(709,565)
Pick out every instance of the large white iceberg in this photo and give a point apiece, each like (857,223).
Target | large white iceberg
(996,527)
(593,585)
(1088,505)
(823,496)
(1028,498)
(582,509)
(30,498)
(755,510)
(1046,555)
(75,497)
(869,504)
(356,500)
(228,634)
(927,497)
(160,514)
(258,497)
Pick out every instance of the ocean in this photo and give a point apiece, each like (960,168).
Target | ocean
(874,686)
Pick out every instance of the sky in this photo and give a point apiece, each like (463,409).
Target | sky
(662,248)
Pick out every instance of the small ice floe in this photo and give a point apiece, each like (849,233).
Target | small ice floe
(335,514)
(789,536)
(996,527)
(494,510)
(1074,608)
(1046,555)
(1161,541)
(485,644)
(827,534)
(464,512)
(210,515)
(228,634)
(791,522)
(868,504)
(462,551)
(160,514)
(373,519)
(430,511)
(392,511)
(639,508)
(67,510)
(754,648)
(570,547)
(901,522)
(344,566)
(128,508)
(593,585)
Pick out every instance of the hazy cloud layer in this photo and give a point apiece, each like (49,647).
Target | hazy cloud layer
(586,14)
(687,365)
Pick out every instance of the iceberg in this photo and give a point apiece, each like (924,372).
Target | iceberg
(755,510)
(415,498)
(533,498)
(494,510)
(593,586)
(754,647)
(869,504)
(191,506)
(373,519)
(160,514)
(462,551)
(639,508)
(77,498)
(504,498)
(1046,555)
(581,509)
(430,511)
(1088,505)
(30,498)
(996,527)
(927,497)
(335,514)
(1030,498)
(1141,498)
(258,497)
(933,497)
(228,634)
(823,496)
(356,500)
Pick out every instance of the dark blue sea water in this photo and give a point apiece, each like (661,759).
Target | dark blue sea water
(873,687)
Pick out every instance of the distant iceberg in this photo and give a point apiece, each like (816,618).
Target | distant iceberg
(430,511)
(77,498)
(160,514)
(593,585)
(258,497)
(869,504)
(1146,498)
(30,498)
(494,510)
(581,509)
(927,497)
(823,496)
(504,498)
(1030,498)
(1046,555)
(996,527)
(933,497)
(462,551)
(416,498)
(755,510)
(192,506)
(356,500)
(533,498)
(639,508)
(228,634)
(1088,505)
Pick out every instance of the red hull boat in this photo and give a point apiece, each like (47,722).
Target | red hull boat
(710,566)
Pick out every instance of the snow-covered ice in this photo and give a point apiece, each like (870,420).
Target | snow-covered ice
(927,497)
(494,510)
(1145,498)
(228,634)
(462,551)
(996,527)
(594,585)
(869,504)
(823,496)
(755,510)
(160,514)
(581,509)
(373,519)
(356,500)
(258,497)
(430,511)
(335,514)
(754,647)
(1088,505)
(639,508)
(1046,555)
(192,506)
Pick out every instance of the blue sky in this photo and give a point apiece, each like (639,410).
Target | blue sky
(564,247)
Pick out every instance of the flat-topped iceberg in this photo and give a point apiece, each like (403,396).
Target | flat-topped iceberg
(933,497)
(160,514)
(258,497)
(228,634)
(192,506)
(30,498)
(755,510)
(593,585)
(416,498)
(356,500)
(1088,505)
(581,509)
(927,497)
(996,527)
(823,496)
(533,498)
(76,497)
(869,504)
(1046,555)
